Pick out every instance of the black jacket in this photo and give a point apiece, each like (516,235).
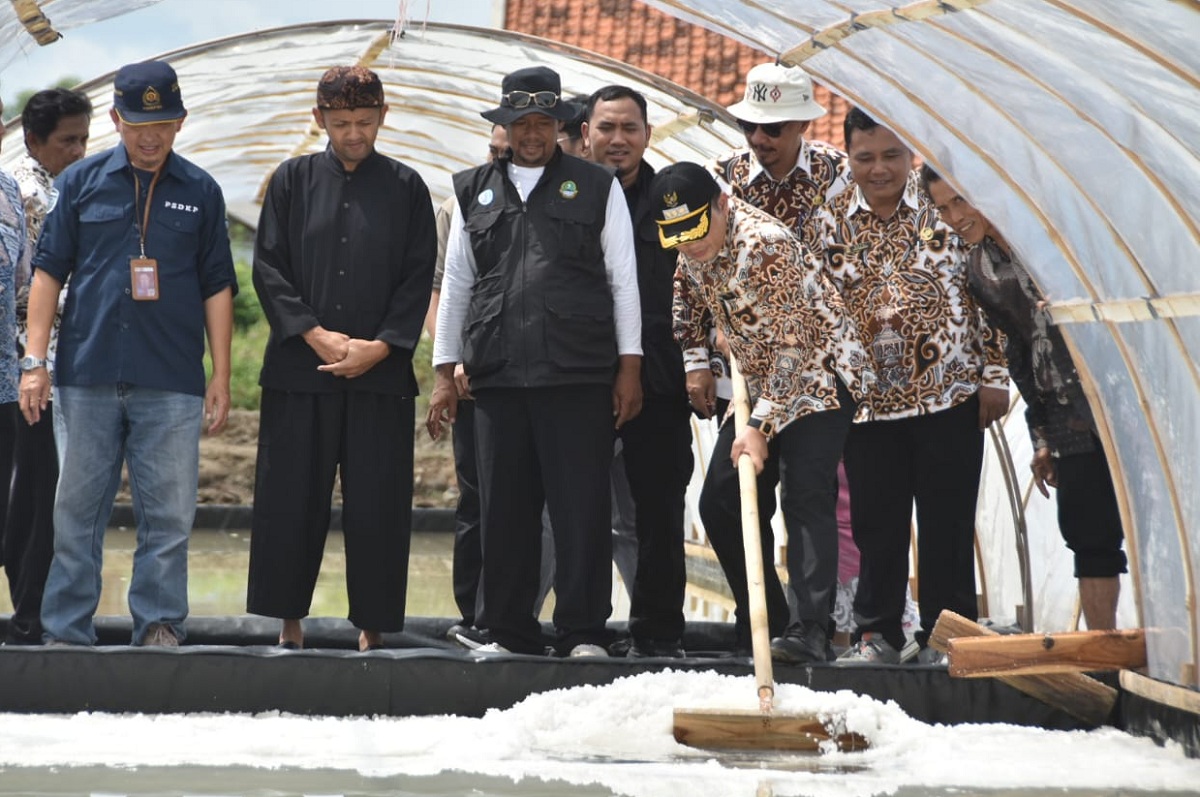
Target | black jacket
(662,359)
(541,312)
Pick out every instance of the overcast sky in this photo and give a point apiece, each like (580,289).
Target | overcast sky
(92,50)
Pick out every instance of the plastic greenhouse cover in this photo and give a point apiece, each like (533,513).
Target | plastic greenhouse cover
(1075,126)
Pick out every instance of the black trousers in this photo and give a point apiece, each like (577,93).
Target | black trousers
(658,465)
(804,456)
(934,460)
(468,554)
(552,446)
(10,415)
(304,439)
(28,531)
(1088,515)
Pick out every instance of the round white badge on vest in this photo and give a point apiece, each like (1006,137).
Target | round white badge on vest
(486,197)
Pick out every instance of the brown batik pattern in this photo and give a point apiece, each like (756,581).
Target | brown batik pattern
(784,321)
(904,282)
(792,199)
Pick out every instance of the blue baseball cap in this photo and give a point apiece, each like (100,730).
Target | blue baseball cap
(146,93)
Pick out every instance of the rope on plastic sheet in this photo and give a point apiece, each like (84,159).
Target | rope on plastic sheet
(914,12)
(35,22)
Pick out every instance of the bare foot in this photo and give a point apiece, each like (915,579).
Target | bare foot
(370,640)
(291,635)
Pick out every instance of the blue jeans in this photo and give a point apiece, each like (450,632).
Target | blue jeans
(158,434)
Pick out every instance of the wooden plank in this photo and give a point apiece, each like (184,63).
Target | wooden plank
(743,729)
(1040,654)
(1080,696)
(1167,694)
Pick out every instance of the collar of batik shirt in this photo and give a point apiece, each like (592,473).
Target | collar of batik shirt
(803,161)
(911,196)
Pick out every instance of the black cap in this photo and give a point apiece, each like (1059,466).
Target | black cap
(146,93)
(532,85)
(681,197)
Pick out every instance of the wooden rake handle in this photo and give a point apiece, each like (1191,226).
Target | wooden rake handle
(748,492)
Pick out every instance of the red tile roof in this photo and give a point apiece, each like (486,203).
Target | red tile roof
(630,31)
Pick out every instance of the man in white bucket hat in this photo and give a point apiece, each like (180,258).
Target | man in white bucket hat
(781,172)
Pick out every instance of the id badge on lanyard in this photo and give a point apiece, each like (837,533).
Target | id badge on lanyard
(143,271)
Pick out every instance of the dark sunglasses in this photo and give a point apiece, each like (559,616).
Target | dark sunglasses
(522,99)
(770,129)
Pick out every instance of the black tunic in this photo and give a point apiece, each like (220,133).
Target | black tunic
(352,252)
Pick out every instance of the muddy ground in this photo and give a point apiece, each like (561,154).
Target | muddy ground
(227,466)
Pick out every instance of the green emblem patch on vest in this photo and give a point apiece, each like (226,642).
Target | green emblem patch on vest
(568,190)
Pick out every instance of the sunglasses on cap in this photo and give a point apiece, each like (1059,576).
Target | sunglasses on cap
(523,99)
(770,129)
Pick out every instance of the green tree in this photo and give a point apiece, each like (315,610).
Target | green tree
(65,82)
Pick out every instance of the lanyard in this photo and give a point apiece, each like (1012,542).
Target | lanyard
(145,222)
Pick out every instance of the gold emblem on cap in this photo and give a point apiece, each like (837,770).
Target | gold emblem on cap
(926,233)
(151,99)
(684,236)
(670,199)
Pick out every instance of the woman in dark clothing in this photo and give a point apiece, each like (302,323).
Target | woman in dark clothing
(1068,454)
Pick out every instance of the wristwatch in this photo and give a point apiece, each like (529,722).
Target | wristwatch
(28,363)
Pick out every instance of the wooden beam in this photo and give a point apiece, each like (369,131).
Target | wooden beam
(1080,696)
(1173,695)
(1040,654)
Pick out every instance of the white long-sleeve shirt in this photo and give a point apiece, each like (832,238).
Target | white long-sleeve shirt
(620,264)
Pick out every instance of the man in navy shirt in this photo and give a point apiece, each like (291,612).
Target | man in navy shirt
(141,234)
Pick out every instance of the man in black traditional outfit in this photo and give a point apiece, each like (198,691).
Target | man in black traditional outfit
(343,266)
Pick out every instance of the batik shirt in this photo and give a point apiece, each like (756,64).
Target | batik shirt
(39,195)
(14,256)
(821,173)
(784,321)
(1056,409)
(904,282)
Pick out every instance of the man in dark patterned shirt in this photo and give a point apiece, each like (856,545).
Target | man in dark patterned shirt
(1068,454)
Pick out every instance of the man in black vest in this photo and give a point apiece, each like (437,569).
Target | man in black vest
(540,305)
(657,445)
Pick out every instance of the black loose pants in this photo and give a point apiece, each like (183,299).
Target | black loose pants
(304,439)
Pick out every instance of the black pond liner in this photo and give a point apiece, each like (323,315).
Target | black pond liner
(231,664)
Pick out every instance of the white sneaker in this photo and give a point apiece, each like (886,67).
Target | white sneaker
(871,649)
(587,650)
(475,646)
